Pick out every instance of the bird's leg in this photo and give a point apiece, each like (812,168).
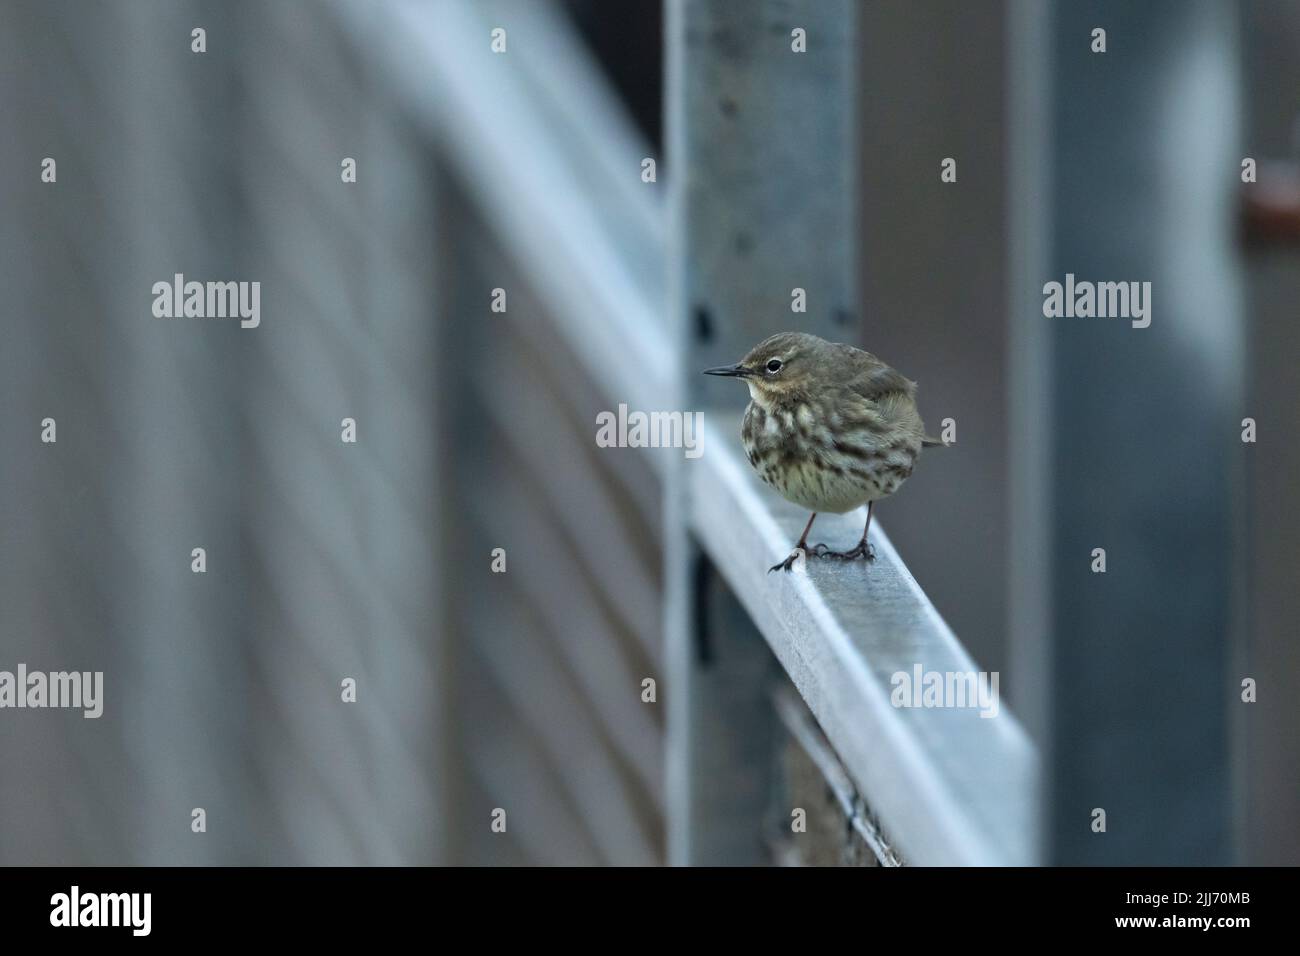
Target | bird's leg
(788,563)
(863,550)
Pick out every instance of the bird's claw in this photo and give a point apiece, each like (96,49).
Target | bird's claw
(863,550)
(788,563)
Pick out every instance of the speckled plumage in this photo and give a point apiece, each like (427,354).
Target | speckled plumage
(829,426)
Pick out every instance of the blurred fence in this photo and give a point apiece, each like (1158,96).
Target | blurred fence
(326,560)
(223,688)
(483,688)
(476,690)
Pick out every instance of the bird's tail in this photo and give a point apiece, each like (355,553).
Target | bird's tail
(928,441)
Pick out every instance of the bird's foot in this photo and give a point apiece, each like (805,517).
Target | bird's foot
(788,563)
(863,550)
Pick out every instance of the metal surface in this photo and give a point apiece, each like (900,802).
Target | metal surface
(754,215)
(339,546)
(1129,179)
(518,128)
(758,216)
(949,786)
(799,722)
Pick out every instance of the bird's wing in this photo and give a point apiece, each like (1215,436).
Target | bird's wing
(880,396)
(872,378)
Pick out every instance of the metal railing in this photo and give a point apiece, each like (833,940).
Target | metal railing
(568,206)
(369,561)
(523,691)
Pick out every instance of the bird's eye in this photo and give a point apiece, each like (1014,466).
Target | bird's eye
(774,365)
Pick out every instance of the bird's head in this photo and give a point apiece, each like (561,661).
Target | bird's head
(779,366)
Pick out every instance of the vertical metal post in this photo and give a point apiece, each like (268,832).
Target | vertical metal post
(760,144)
(1269,760)
(1126,437)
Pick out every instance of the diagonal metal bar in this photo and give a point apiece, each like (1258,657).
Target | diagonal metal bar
(952,787)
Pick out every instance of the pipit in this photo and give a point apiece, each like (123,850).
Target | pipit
(829,426)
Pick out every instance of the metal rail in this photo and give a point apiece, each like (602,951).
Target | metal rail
(949,787)
(809,737)
(567,205)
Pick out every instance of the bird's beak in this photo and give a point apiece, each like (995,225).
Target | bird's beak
(732,371)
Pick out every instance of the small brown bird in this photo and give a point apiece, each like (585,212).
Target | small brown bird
(829,426)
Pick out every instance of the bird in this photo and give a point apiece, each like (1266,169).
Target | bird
(829,426)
